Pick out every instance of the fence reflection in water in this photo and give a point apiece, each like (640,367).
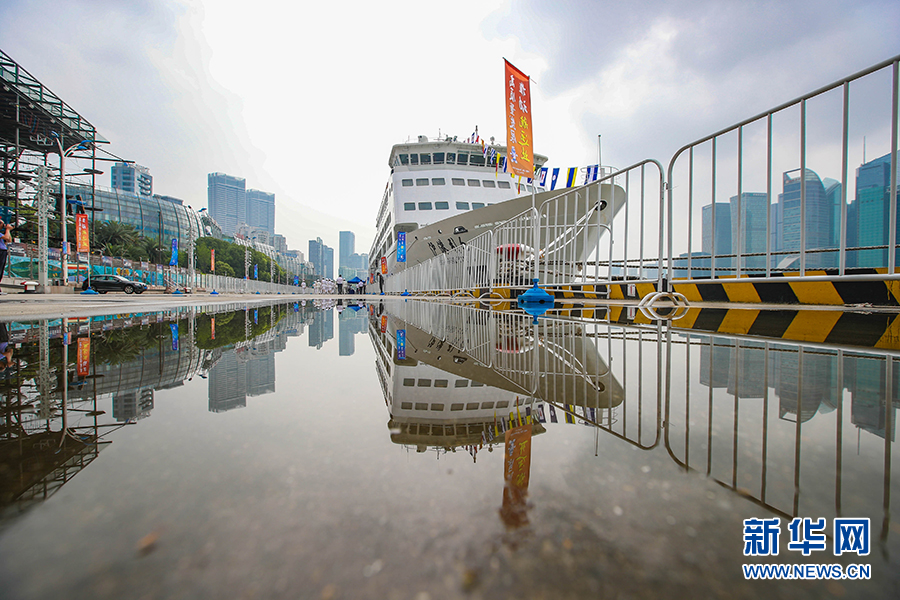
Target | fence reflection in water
(800,429)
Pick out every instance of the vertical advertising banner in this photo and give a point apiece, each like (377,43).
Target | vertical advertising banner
(83,360)
(516,472)
(174,328)
(82,239)
(255,271)
(174,260)
(212,260)
(212,327)
(384,265)
(401,344)
(383,323)
(519,140)
(401,246)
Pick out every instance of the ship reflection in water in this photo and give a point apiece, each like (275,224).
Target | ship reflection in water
(572,456)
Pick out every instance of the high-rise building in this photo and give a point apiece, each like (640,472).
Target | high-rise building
(722,232)
(280,243)
(819,219)
(132,178)
(261,210)
(346,248)
(328,262)
(873,181)
(227,197)
(752,235)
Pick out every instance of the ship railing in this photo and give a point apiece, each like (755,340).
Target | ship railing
(566,241)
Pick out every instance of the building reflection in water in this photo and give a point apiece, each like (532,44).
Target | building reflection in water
(800,429)
(55,419)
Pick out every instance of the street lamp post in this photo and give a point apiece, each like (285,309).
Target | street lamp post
(82,145)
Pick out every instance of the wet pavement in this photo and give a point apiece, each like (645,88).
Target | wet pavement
(304,449)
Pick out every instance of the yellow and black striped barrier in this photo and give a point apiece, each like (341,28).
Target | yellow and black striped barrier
(838,327)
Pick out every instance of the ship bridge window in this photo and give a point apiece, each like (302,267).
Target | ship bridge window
(473,182)
(472,405)
(462,206)
(425,159)
(438,158)
(458,181)
(527,188)
(409,206)
(477,160)
(407,183)
(437,181)
(479,384)
(461,383)
(442,383)
(442,205)
(462,159)
(424,205)
(413,159)
(488,183)
(477,205)
(421,406)
(503,404)
(437,406)
(487,405)
(409,382)
(504,185)
(406,405)
(404,159)
(451,158)
(424,383)
(422,181)
(456,406)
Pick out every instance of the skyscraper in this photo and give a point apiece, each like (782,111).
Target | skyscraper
(873,181)
(346,248)
(753,208)
(227,197)
(722,232)
(132,178)
(261,210)
(328,262)
(819,219)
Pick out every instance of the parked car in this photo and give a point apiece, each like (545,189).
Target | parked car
(114,283)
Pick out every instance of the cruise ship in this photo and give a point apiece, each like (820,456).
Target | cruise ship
(435,180)
(442,193)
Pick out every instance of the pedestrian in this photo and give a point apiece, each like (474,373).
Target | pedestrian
(5,239)
(362,288)
(381,283)
(340,284)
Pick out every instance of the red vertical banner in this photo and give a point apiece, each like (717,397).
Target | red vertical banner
(383,323)
(83,359)
(516,472)
(519,139)
(212,260)
(384,265)
(212,327)
(82,239)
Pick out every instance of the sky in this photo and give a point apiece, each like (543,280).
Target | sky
(305,100)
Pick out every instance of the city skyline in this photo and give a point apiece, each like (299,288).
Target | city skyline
(169,87)
(867,220)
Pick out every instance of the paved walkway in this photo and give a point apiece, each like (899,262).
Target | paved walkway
(18,307)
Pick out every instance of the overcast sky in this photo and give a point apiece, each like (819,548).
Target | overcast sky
(306,101)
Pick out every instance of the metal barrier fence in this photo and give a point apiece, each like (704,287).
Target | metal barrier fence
(815,228)
(725,182)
